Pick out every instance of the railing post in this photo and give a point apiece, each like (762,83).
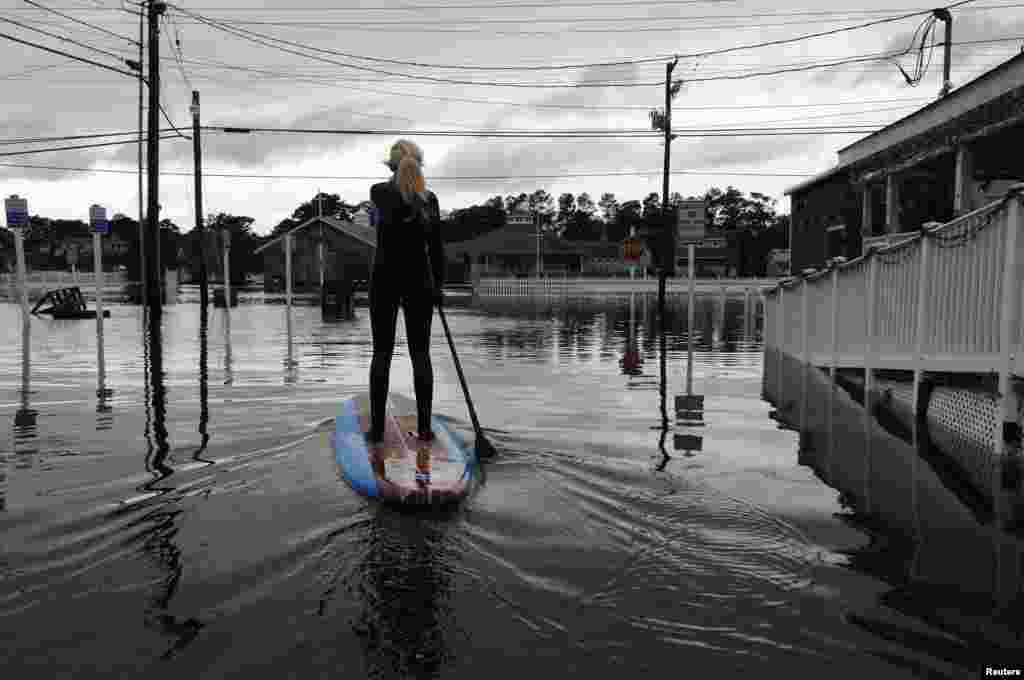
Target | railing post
(869,373)
(805,359)
(805,352)
(835,321)
(1007,436)
(920,329)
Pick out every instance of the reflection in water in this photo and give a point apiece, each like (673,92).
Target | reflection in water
(104,412)
(944,551)
(228,375)
(154,355)
(290,365)
(159,528)
(404,586)
(204,385)
(26,445)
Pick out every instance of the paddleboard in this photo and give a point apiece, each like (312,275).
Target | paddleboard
(402,469)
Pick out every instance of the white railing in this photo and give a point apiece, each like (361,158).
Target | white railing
(596,285)
(57,279)
(962,268)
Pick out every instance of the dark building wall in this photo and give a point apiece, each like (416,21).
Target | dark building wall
(814,209)
(344,258)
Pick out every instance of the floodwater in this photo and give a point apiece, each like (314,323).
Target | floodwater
(189,522)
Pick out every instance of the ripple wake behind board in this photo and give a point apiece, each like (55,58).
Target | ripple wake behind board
(402,469)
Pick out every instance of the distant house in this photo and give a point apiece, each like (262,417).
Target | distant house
(954,155)
(346,254)
(513,249)
(78,251)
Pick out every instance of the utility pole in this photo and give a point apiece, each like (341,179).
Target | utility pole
(154,273)
(197,157)
(143,271)
(943,15)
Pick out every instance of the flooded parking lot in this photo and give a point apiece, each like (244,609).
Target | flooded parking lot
(192,522)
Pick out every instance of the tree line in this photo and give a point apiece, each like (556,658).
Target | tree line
(749,223)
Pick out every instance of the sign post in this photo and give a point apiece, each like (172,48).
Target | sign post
(100,226)
(17,222)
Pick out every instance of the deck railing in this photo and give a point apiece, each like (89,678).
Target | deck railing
(611,285)
(945,300)
(939,301)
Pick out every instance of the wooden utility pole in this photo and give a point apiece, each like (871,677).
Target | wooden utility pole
(665,239)
(154,273)
(943,15)
(142,215)
(197,159)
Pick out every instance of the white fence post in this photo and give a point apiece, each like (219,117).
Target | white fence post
(924,269)
(869,370)
(835,321)
(1008,430)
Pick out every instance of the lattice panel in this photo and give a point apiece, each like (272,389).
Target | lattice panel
(972,416)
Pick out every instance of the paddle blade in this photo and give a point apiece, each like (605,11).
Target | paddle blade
(484,448)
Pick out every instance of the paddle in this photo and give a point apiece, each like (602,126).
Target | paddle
(484,449)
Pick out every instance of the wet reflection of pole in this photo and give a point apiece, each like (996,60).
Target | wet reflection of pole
(228,374)
(154,336)
(405,587)
(25,418)
(204,385)
(290,364)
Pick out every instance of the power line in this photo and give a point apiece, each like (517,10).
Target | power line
(488,6)
(65,39)
(84,23)
(78,146)
(243,33)
(33,69)
(246,34)
(544,134)
(134,76)
(457,178)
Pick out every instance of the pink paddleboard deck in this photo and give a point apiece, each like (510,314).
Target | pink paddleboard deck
(402,468)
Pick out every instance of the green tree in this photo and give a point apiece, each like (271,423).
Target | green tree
(541,203)
(243,243)
(566,210)
(585,204)
(513,202)
(652,205)
(608,207)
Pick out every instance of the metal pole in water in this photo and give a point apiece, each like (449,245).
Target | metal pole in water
(288,269)
(227,268)
(97,257)
(691,256)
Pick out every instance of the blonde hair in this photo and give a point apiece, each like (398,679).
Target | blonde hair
(406,160)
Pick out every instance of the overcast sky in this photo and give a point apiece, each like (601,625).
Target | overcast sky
(50,95)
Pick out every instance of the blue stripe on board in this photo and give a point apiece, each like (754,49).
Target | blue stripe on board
(468,455)
(351,452)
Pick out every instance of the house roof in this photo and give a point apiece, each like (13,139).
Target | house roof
(359,229)
(519,239)
(988,86)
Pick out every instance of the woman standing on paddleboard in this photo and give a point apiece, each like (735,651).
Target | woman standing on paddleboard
(408,221)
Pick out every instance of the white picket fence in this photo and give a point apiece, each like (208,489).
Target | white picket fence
(612,285)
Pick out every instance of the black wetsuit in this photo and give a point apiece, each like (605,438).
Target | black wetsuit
(401,276)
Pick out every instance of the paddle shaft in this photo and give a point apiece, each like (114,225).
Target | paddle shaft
(458,369)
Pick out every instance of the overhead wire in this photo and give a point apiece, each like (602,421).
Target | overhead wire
(244,33)
(65,39)
(84,23)
(622,173)
(78,146)
(134,76)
